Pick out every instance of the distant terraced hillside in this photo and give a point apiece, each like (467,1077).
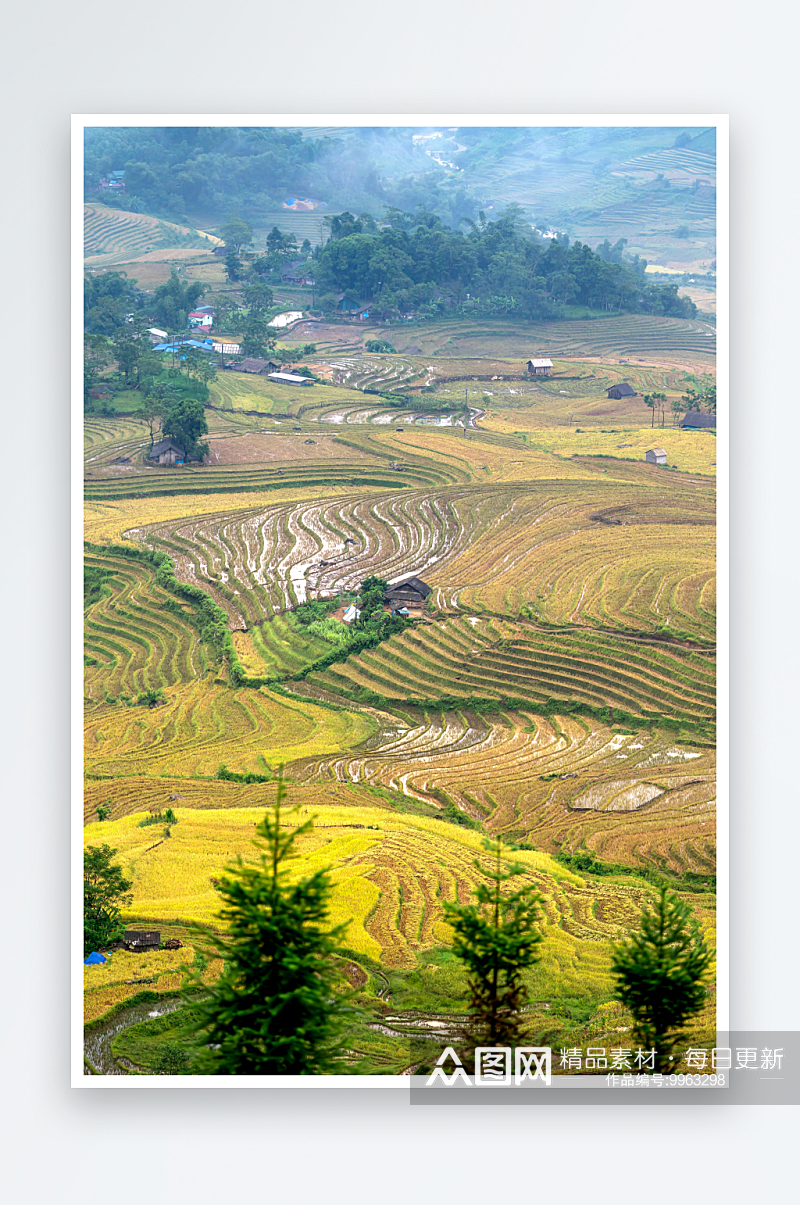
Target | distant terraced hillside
(113,236)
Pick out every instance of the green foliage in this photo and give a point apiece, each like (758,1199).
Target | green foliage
(377,345)
(172,1059)
(497,267)
(104,811)
(105,891)
(236,233)
(657,403)
(257,336)
(226,775)
(97,355)
(185,421)
(173,301)
(496,939)
(315,609)
(107,299)
(277,1008)
(159,817)
(331,630)
(94,587)
(659,974)
(370,600)
(150,698)
(701,392)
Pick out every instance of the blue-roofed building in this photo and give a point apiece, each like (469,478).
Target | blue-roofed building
(184,343)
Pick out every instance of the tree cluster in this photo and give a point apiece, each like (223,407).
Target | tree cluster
(108,299)
(105,891)
(498,267)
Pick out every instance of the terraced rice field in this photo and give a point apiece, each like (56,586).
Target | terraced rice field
(272,558)
(125,974)
(678,164)
(114,236)
(560,782)
(472,658)
(551,551)
(664,341)
(688,451)
(558,690)
(137,637)
(595,552)
(107,439)
(393,909)
(206,724)
(141,792)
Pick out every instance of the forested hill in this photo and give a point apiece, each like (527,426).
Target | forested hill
(183,173)
(501,267)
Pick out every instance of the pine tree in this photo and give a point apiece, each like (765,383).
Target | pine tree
(659,974)
(279,1005)
(496,939)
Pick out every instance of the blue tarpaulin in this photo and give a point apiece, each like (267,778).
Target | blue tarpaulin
(94,959)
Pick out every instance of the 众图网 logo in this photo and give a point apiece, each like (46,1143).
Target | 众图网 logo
(495,1066)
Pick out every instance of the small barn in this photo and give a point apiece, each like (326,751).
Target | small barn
(412,592)
(166,451)
(253,364)
(142,939)
(540,368)
(289,378)
(622,390)
(656,456)
(697,421)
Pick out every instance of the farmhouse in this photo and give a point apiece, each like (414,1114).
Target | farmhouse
(656,456)
(166,451)
(142,939)
(696,421)
(412,592)
(200,318)
(253,364)
(622,390)
(289,378)
(156,335)
(540,368)
(351,614)
(295,273)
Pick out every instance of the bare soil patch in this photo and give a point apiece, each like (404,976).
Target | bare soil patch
(262,448)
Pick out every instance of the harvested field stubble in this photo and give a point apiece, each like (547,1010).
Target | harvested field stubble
(558,781)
